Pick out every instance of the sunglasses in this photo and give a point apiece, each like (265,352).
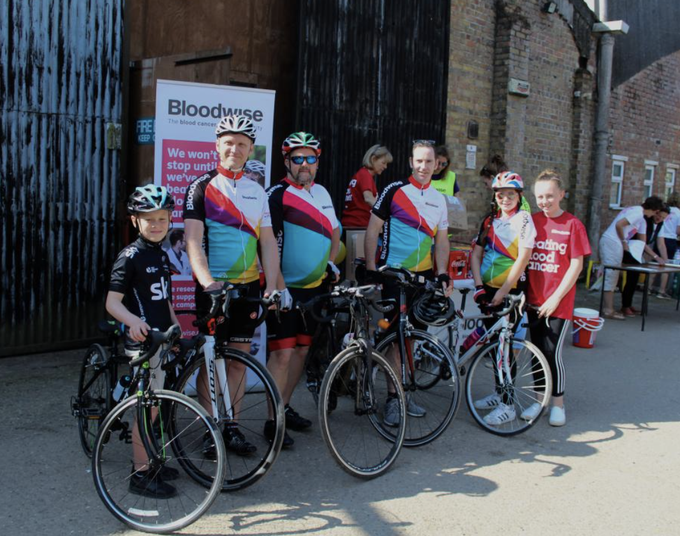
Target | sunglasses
(298,160)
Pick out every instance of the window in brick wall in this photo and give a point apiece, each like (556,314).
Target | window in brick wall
(618,168)
(648,182)
(670,180)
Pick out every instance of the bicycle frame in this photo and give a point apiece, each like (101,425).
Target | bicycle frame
(503,327)
(213,366)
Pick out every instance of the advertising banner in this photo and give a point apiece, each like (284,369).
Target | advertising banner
(186,116)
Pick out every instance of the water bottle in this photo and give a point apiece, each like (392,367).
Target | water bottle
(121,387)
(472,339)
(347,340)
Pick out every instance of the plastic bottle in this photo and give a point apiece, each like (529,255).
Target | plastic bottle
(121,387)
(471,339)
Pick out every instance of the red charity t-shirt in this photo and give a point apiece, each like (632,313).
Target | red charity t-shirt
(558,240)
(357,212)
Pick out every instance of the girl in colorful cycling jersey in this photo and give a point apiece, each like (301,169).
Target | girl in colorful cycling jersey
(555,264)
(498,261)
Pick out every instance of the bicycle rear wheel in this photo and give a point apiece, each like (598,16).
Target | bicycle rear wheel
(532,384)
(93,401)
(257,399)
(352,431)
(142,503)
(433,394)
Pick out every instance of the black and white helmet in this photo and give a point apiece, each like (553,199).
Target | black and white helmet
(149,198)
(434,309)
(236,124)
(255,166)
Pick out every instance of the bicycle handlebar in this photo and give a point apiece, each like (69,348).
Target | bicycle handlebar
(510,300)
(346,293)
(230,292)
(153,342)
(406,277)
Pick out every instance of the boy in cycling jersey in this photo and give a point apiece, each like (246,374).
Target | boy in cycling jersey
(140,297)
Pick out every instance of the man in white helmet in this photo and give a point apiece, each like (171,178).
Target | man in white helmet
(226,218)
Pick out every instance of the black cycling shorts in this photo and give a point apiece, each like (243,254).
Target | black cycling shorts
(241,324)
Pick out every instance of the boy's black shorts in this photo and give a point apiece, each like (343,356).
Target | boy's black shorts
(240,326)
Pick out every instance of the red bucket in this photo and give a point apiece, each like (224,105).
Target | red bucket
(587,322)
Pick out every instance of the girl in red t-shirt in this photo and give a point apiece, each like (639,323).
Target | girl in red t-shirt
(555,264)
(361,192)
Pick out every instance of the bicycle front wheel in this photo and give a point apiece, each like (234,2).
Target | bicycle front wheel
(527,393)
(254,400)
(360,436)
(145,487)
(94,393)
(433,391)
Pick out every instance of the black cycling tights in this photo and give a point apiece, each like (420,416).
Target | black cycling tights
(549,338)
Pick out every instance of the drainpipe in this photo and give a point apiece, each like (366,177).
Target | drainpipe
(607,30)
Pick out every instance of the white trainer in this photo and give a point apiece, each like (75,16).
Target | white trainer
(557,416)
(501,415)
(488,402)
(531,412)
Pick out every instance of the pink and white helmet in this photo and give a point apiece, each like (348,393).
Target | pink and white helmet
(507,179)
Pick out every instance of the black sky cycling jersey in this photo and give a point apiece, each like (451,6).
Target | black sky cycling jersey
(142,274)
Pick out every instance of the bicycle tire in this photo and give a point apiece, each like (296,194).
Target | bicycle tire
(533,380)
(435,389)
(113,464)
(355,443)
(94,395)
(261,399)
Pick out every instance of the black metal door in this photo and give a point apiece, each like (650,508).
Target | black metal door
(371,72)
(60,104)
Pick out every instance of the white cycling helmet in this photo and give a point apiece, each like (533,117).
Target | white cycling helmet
(255,166)
(236,124)
(298,140)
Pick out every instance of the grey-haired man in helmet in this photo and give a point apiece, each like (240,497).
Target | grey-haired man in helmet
(226,218)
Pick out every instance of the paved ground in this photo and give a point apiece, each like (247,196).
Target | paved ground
(613,469)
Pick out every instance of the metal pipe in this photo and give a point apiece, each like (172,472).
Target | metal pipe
(604,82)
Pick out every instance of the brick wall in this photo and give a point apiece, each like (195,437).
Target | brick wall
(645,126)
(491,42)
(470,89)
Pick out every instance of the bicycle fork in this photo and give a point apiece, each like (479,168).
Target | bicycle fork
(217,371)
(502,363)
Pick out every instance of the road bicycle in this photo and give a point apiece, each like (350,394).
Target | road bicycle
(426,367)
(332,325)
(237,391)
(99,377)
(355,388)
(495,362)
(147,455)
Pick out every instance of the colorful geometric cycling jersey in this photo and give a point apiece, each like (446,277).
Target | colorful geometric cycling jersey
(303,222)
(233,210)
(413,215)
(504,239)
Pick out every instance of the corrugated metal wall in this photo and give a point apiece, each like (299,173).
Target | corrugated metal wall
(60,85)
(371,72)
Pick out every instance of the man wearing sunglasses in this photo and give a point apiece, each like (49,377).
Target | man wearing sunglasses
(412,217)
(308,235)
(226,218)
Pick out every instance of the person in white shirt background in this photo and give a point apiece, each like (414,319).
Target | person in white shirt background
(614,249)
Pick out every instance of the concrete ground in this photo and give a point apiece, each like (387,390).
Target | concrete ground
(613,469)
